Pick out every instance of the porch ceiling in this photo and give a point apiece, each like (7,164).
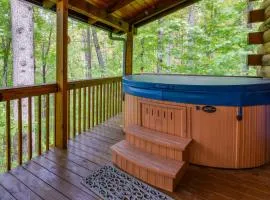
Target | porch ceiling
(118,15)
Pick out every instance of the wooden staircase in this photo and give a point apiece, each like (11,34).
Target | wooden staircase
(157,158)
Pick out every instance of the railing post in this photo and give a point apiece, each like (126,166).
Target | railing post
(61,74)
(129,52)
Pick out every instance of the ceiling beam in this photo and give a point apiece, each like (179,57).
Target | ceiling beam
(96,14)
(118,5)
(163,8)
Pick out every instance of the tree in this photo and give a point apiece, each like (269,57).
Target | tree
(5,40)
(87,42)
(98,51)
(22,47)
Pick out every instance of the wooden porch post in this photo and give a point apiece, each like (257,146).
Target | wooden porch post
(129,52)
(61,74)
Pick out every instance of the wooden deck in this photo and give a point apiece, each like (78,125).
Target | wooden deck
(57,174)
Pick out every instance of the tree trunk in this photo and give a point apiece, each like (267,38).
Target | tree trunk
(23,58)
(22,47)
(87,52)
(191,23)
(45,53)
(160,46)
(98,51)
(6,47)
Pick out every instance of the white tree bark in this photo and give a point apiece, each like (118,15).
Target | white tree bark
(22,48)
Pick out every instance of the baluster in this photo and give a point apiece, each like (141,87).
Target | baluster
(89,108)
(113,99)
(79,111)
(74,113)
(19,131)
(110,100)
(107,101)
(84,109)
(104,103)
(54,99)
(92,106)
(121,97)
(8,139)
(39,125)
(29,128)
(97,104)
(47,122)
(68,115)
(100,103)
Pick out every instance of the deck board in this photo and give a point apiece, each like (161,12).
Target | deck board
(57,173)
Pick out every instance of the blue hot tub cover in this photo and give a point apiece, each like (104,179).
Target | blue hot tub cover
(205,90)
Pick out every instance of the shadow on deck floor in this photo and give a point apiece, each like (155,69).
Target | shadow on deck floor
(57,174)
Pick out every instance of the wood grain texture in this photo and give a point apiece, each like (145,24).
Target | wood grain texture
(201,183)
(219,140)
(152,169)
(61,73)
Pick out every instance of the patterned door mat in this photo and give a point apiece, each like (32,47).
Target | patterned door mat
(109,182)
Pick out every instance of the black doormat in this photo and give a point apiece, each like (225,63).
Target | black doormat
(109,182)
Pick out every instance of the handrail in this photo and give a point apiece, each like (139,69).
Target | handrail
(12,93)
(26,91)
(92,82)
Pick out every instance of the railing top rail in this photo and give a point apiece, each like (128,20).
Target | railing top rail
(12,93)
(92,82)
(27,91)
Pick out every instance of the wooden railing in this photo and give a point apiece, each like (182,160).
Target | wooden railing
(92,102)
(29,114)
(21,99)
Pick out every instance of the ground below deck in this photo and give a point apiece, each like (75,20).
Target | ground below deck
(57,174)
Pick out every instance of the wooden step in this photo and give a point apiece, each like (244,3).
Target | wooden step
(158,137)
(158,143)
(153,169)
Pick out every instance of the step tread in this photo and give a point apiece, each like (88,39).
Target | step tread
(158,137)
(149,161)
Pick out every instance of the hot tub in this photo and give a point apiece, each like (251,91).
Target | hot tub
(225,116)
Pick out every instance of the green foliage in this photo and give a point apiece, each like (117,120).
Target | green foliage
(213,42)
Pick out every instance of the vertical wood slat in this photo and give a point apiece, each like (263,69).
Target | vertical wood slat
(89,107)
(84,109)
(97,104)
(39,125)
(30,128)
(92,106)
(47,122)
(69,117)
(8,138)
(107,101)
(54,99)
(104,104)
(100,103)
(74,113)
(113,101)
(117,97)
(121,96)
(19,131)
(79,111)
